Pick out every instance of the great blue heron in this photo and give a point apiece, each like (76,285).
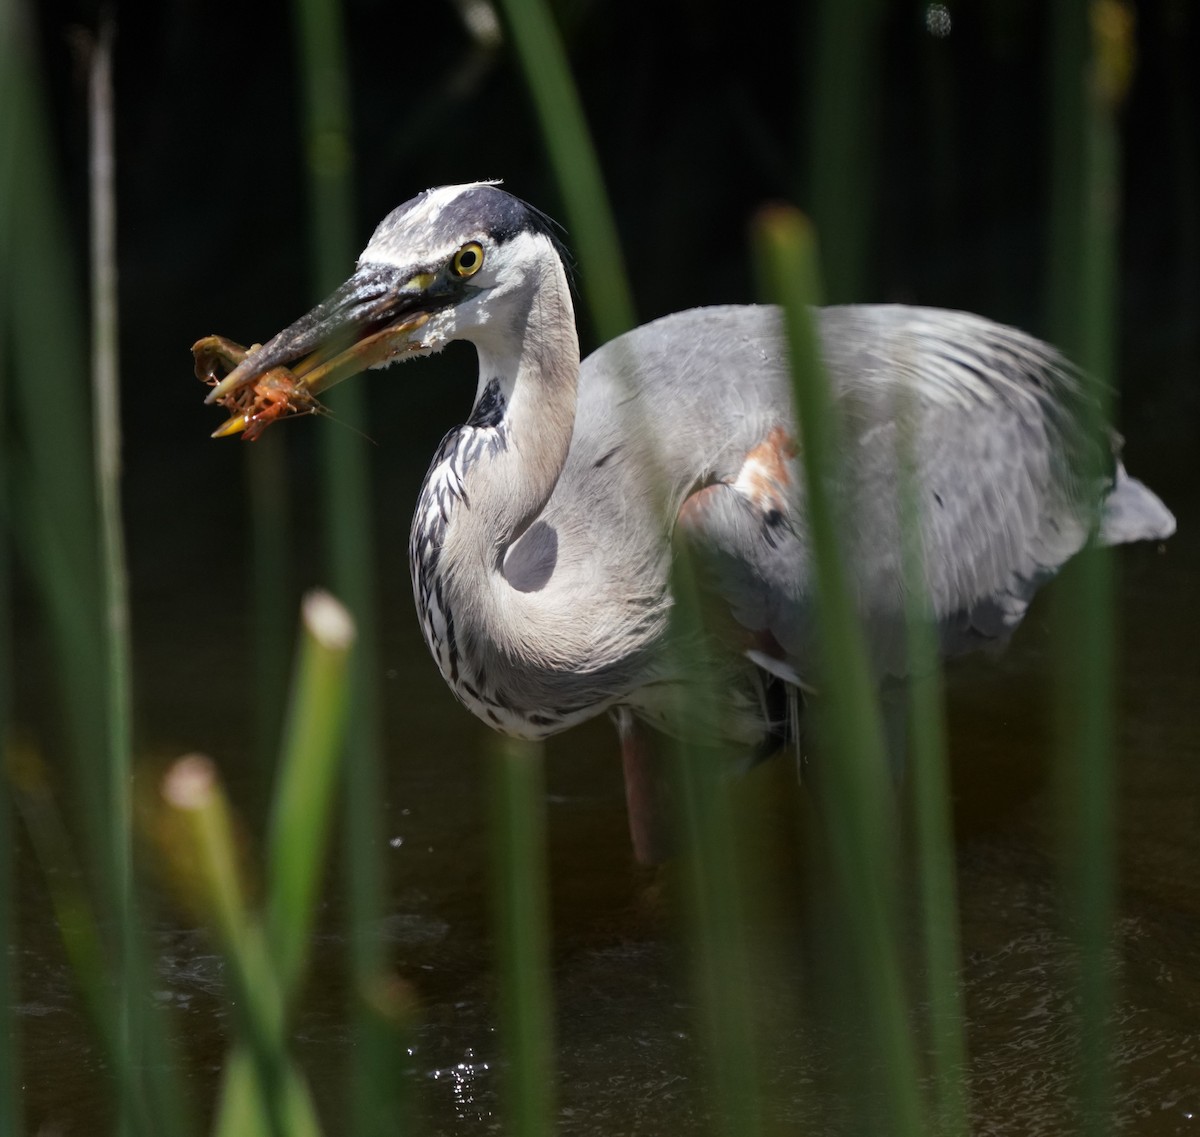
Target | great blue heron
(542,540)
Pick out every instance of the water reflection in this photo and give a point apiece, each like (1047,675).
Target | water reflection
(628,1061)
(471,1094)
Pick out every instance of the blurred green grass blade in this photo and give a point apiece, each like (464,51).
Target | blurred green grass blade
(1092,50)
(324,88)
(1068,58)
(59,477)
(116,806)
(1086,786)
(716,901)
(11,1123)
(240,1106)
(385,1021)
(842,113)
(304,792)
(721,963)
(932,822)
(519,889)
(10,1065)
(144,1037)
(242,1110)
(377,1093)
(1093,58)
(52,496)
(205,843)
(205,849)
(936,879)
(75,916)
(329,152)
(858,823)
(544,63)
(11,1113)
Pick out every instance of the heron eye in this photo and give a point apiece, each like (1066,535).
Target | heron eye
(468,260)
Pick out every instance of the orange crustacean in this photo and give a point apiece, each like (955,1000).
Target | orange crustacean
(276,393)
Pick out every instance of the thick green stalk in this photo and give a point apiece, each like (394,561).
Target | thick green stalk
(859,821)
(78,927)
(118,757)
(243,1110)
(519,888)
(722,966)
(1068,57)
(933,826)
(259,1079)
(10,1096)
(841,144)
(377,1092)
(594,234)
(261,1090)
(60,477)
(52,497)
(304,791)
(716,901)
(1092,51)
(11,1122)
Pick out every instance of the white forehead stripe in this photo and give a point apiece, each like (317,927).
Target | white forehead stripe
(417,230)
(435,200)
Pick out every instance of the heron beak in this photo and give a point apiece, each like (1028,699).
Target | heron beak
(370,320)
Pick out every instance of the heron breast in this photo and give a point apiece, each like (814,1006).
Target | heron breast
(530,561)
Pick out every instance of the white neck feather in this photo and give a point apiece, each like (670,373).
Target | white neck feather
(537,367)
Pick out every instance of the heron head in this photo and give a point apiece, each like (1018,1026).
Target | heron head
(457,262)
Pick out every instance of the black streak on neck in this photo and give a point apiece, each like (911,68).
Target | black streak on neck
(489,411)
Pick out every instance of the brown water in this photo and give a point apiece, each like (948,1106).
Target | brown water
(628,1060)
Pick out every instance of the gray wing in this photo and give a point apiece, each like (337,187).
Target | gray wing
(990,415)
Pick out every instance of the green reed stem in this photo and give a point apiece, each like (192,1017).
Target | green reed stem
(716,900)
(243,1111)
(859,824)
(10,1097)
(1067,83)
(118,806)
(543,60)
(262,1092)
(841,145)
(519,887)
(313,741)
(1093,54)
(377,1093)
(1092,50)
(10,1063)
(78,927)
(722,968)
(51,498)
(268,1089)
(933,826)
(153,1093)
(59,477)
(11,1114)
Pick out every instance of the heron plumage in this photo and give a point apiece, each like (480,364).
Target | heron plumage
(543,536)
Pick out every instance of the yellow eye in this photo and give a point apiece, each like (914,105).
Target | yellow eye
(468,260)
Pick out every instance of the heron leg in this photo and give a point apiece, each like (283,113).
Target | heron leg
(647,797)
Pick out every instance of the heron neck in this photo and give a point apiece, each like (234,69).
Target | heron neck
(528,376)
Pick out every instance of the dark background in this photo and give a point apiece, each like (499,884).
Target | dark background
(700,114)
